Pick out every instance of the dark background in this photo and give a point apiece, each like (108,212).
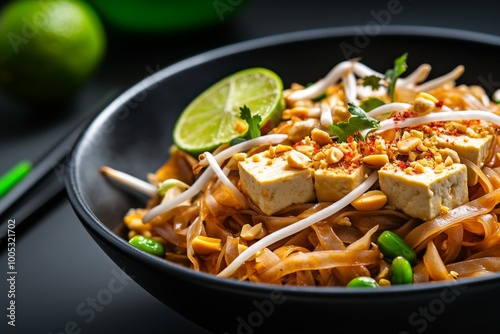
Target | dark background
(60,268)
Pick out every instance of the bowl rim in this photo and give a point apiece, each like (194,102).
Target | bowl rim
(90,220)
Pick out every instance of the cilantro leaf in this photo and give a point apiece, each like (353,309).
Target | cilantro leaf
(358,121)
(394,73)
(371,103)
(252,121)
(373,81)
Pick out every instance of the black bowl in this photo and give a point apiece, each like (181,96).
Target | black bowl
(133,134)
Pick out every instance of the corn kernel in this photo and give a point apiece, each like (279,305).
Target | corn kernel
(241,126)
(206,245)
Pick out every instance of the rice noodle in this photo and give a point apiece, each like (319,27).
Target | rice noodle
(330,241)
(222,176)
(209,173)
(298,226)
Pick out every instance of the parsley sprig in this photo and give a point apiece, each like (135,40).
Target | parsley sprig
(394,73)
(390,76)
(252,121)
(373,81)
(358,121)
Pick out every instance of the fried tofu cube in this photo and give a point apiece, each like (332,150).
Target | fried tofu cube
(473,149)
(333,183)
(427,194)
(273,185)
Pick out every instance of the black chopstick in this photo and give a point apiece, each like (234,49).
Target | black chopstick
(46,180)
(34,191)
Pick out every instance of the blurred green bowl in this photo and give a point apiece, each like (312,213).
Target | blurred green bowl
(164,16)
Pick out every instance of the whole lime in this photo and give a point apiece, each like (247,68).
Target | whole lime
(48,49)
(166,16)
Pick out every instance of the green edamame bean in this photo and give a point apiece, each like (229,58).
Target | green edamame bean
(402,273)
(146,244)
(362,282)
(392,245)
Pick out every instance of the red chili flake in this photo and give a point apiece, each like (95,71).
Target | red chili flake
(439,104)
(350,139)
(403,164)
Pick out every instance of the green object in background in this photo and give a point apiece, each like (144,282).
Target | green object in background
(14,175)
(48,49)
(164,16)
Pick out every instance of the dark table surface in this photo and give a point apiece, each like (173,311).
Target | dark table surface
(60,270)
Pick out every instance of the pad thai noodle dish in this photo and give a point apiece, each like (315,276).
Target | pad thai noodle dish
(366,179)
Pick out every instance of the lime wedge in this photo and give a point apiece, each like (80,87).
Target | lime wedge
(212,118)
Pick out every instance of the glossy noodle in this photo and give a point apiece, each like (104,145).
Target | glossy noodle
(305,203)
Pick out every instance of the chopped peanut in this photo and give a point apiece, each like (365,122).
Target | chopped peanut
(306,149)
(282,148)
(384,282)
(371,200)
(439,169)
(423,106)
(255,158)
(427,96)
(449,153)
(448,162)
(240,156)
(301,112)
(406,145)
(375,161)
(295,159)
(319,156)
(321,137)
(249,232)
(333,155)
